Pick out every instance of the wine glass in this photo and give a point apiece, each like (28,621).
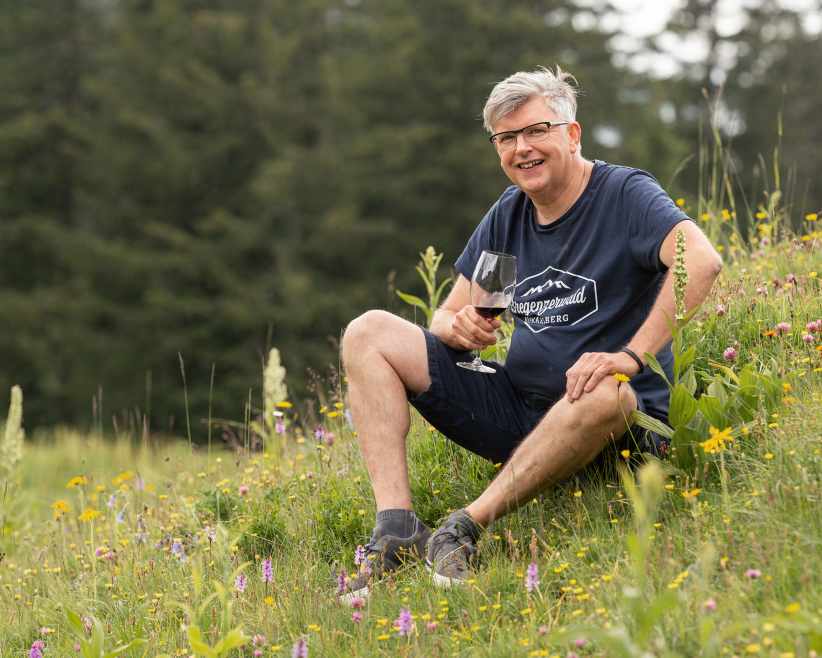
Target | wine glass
(492,289)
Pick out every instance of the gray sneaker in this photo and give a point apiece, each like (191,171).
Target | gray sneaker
(452,548)
(379,557)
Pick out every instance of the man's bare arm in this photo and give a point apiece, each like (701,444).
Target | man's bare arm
(703,265)
(458,325)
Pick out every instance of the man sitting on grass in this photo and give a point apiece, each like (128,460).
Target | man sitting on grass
(594,243)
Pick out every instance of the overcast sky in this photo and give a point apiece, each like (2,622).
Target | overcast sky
(642,18)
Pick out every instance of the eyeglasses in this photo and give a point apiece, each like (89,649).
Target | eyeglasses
(536,132)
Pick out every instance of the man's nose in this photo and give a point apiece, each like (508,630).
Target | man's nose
(521,144)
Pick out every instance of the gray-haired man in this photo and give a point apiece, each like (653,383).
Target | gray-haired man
(593,243)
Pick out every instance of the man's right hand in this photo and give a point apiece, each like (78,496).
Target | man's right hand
(471,331)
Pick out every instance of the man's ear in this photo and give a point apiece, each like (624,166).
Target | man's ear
(574,135)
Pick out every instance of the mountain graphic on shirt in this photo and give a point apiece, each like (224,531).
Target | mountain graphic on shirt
(550,283)
(554,298)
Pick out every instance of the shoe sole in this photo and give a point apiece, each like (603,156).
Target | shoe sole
(443,582)
(349,597)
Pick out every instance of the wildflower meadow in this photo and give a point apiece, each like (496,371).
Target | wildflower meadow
(138,545)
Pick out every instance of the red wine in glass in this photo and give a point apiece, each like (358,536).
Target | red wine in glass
(490,312)
(492,289)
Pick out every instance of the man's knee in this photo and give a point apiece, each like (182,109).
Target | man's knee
(362,333)
(608,405)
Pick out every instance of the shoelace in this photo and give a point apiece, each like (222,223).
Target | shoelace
(456,535)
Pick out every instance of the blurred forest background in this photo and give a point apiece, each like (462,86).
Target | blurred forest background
(210,178)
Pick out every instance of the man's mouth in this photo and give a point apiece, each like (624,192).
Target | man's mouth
(530,164)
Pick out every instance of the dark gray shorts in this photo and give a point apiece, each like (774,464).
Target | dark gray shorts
(486,414)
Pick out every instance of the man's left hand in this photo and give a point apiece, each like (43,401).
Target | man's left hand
(592,367)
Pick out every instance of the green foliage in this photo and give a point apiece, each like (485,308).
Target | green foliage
(201,620)
(265,533)
(217,506)
(427,269)
(94,646)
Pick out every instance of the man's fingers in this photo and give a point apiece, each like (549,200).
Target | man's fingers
(596,377)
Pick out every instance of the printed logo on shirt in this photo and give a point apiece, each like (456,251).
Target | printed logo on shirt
(554,298)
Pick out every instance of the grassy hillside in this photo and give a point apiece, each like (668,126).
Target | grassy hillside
(716,554)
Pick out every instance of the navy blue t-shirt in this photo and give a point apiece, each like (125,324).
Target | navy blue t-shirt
(586,282)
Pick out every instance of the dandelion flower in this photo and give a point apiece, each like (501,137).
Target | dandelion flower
(60,507)
(716,442)
(89,514)
(77,481)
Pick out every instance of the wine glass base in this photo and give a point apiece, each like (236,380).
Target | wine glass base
(476,366)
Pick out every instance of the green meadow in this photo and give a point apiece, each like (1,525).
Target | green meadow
(140,546)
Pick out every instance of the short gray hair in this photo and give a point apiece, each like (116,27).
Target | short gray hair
(512,93)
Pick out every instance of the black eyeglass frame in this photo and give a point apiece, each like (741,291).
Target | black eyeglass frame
(516,133)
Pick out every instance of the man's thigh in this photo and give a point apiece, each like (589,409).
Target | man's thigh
(481,412)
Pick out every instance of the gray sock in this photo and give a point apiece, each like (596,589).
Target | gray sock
(397,522)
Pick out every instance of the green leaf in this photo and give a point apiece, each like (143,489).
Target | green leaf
(232,640)
(75,621)
(711,408)
(197,644)
(125,647)
(98,637)
(682,407)
(654,365)
(413,300)
(650,423)
(683,361)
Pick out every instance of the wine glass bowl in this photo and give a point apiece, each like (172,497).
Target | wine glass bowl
(492,289)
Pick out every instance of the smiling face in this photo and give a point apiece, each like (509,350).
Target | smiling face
(545,169)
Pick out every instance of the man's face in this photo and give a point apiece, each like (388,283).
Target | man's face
(544,167)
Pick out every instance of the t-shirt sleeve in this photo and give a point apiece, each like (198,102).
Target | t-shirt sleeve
(651,215)
(479,241)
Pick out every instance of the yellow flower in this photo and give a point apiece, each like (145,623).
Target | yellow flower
(705,216)
(752,648)
(761,215)
(123,477)
(89,514)
(725,215)
(680,202)
(269,600)
(717,440)
(691,493)
(577,494)
(811,216)
(313,627)
(792,608)
(284,405)
(60,507)
(621,377)
(77,481)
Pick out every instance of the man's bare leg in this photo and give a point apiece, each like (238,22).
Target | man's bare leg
(564,441)
(383,356)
